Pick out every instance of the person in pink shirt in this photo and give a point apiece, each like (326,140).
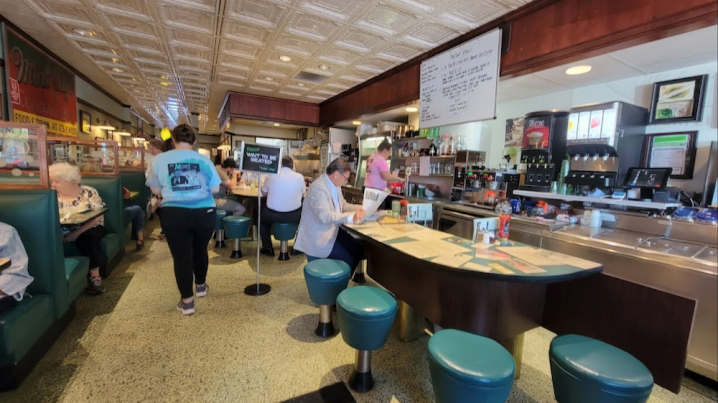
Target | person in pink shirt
(377,169)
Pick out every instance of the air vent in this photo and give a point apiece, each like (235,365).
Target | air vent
(311,77)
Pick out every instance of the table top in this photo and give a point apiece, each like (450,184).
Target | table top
(81,218)
(4,263)
(245,191)
(134,194)
(509,261)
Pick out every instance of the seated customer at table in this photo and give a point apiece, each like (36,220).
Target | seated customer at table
(136,216)
(226,175)
(284,201)
(324,211)
(14,279)
(75,198)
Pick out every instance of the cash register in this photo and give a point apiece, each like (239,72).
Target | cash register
(651,183)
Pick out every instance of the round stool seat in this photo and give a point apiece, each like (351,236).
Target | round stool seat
(236,226)
(220,215)
(284,231)
(588,370)
(466,367)
(326,278)
(365,316)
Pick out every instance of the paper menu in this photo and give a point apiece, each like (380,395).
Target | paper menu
(427,249)
(424,166)
(477,267)
(452,260)
(594,130)
(584,120)
(572,127)
(491,255)
(543,257)
(373,199)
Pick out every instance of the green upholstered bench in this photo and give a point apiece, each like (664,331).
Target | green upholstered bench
(76,269)
(28,330)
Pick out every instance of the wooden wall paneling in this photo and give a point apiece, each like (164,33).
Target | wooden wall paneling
(248,106)
(528,35)
(667,8)
(625,14)
(579,21)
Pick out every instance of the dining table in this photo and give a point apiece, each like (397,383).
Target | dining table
(81,217)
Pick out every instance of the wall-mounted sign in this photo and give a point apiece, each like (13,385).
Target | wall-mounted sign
(42,91)
(259,158)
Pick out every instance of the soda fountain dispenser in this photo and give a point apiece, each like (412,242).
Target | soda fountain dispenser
(544,148)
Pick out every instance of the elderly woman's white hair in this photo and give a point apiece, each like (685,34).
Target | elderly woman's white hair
(65,171)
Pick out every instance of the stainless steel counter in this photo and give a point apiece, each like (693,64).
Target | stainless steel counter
(688,269)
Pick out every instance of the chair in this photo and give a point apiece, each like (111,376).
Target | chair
(283,232)
(326,278)
(591,371)
(365,318)
(236,227)
(466,367)
(219,229)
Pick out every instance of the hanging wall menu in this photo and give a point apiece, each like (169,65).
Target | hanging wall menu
(460,85)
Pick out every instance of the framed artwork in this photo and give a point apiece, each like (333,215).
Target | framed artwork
(678,100)
(675,150)
(85,122)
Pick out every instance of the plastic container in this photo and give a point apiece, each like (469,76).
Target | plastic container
(504,209)
(596,219)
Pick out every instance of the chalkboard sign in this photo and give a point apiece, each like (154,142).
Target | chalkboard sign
(460,85)
(259,158)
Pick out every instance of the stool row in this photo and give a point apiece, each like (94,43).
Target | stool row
(237,228)
(465,367)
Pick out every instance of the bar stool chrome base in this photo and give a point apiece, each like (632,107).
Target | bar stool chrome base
(283,251)
(361,379)
(359,276)
(325,328)
(219,236)
(237,252)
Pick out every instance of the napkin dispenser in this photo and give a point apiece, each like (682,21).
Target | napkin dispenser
(420,213)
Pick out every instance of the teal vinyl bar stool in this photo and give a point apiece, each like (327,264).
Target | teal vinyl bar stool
(326,278)
(283,232)
(365,318)
(219,228)
(466,367)
(236,227)
(590,371)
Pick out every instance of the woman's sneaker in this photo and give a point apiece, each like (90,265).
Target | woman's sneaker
(187,308)
(94,286)
(202,290)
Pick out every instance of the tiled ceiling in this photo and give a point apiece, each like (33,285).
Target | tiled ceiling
(168,58)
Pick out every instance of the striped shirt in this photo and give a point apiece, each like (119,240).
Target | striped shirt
(15,279)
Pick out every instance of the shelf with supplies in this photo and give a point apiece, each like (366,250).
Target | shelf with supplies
(607,200)
(446,157)
(409,139)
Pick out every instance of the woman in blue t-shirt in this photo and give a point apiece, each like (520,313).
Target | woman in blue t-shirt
(185,180)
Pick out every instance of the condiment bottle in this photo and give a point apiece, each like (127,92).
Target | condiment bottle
(504,210)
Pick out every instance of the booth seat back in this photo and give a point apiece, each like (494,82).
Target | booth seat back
(35,215)
(110,190)
(135,182)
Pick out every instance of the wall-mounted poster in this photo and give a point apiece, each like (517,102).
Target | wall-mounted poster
(85,122)
(678,100)
(42,91)
(514,132)
(671,150)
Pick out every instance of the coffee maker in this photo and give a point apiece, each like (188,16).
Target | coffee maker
(463,174)
(603,142)
(544,147)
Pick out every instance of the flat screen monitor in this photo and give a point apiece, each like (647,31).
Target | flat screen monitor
(654,178)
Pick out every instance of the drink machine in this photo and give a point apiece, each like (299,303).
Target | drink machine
(544,148)
(604,140)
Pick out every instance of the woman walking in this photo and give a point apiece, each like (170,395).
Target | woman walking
(185,181)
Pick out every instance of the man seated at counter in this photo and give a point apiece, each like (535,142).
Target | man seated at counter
(227,176)
(14,279)
(377,169)
(284,201)
(324,211)
(72,198)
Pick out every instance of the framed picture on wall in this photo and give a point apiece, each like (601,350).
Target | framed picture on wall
(671,150)
(85,122)
(678,100)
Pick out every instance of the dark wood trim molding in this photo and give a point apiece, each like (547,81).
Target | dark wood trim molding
(257,107)
(60,60)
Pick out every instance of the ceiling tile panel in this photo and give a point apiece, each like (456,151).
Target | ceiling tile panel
(180,37)
(187,19)
(246,33)
(399,52)
(311,27)
(130,8)
(359,41)
(208,6)
(298,46)
(337,10)
(132,26)
(387,20)
(257,12)
(240,49)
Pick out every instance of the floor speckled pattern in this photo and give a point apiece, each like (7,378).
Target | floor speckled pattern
(131,345)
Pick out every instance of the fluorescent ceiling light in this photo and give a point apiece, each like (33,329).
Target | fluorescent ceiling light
(140,139)
(324,67)
(576,70)
(356,123)
(285,58)
(276,124)
(105,126)
(411,109)
(123,133)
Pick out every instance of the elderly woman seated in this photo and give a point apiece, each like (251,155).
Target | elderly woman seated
(72,198)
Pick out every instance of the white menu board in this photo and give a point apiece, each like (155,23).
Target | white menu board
(460,85)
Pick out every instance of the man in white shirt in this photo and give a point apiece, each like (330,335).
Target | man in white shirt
(15,278)
(284,201)
(320,234)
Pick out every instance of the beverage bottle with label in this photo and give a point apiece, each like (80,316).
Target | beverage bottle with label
(439,145)
(445,144)
(504,210)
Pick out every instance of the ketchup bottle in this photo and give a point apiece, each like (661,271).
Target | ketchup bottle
(504,209)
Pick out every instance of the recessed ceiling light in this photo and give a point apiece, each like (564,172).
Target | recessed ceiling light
(285,58)
(269,78)
(301,85)
(323,67)
(114,52)
(79,31)
(116,70)
(115,60)
(576,70)
(164,83)
(356,123)
(411,109)
(276,124)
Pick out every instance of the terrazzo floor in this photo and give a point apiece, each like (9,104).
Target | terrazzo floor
(131,344)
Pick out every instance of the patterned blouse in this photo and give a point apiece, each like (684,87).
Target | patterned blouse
(88,199)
